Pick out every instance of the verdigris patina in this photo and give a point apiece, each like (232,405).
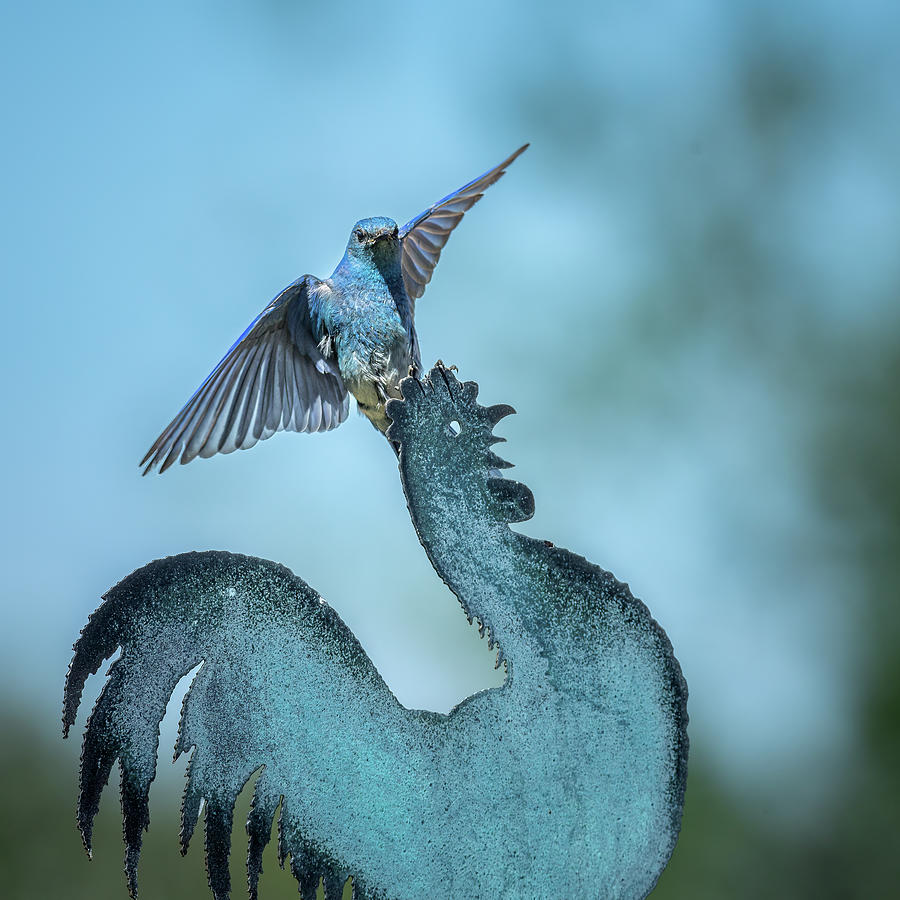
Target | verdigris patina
(566,781)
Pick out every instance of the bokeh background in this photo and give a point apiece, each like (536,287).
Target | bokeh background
(688,287)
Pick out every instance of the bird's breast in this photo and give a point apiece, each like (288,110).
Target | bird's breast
(374,353)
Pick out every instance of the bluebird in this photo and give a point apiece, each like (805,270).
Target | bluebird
(320,340)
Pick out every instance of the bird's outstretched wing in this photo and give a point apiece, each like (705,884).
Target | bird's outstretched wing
(273,379)
(423,237)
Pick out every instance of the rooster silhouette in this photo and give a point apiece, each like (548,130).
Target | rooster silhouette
(566,781)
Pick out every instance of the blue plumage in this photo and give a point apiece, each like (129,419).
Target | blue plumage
(320,340)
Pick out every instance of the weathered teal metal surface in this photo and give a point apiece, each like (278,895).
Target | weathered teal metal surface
(567,781)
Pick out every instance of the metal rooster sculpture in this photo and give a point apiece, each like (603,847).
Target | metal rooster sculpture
(566,781)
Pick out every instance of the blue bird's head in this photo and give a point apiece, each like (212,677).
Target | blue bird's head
(375,240)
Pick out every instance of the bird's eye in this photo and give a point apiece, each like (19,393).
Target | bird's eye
(359,235)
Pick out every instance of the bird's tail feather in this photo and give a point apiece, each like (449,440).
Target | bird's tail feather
(231,616)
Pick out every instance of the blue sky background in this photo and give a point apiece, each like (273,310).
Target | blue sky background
(662,286)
